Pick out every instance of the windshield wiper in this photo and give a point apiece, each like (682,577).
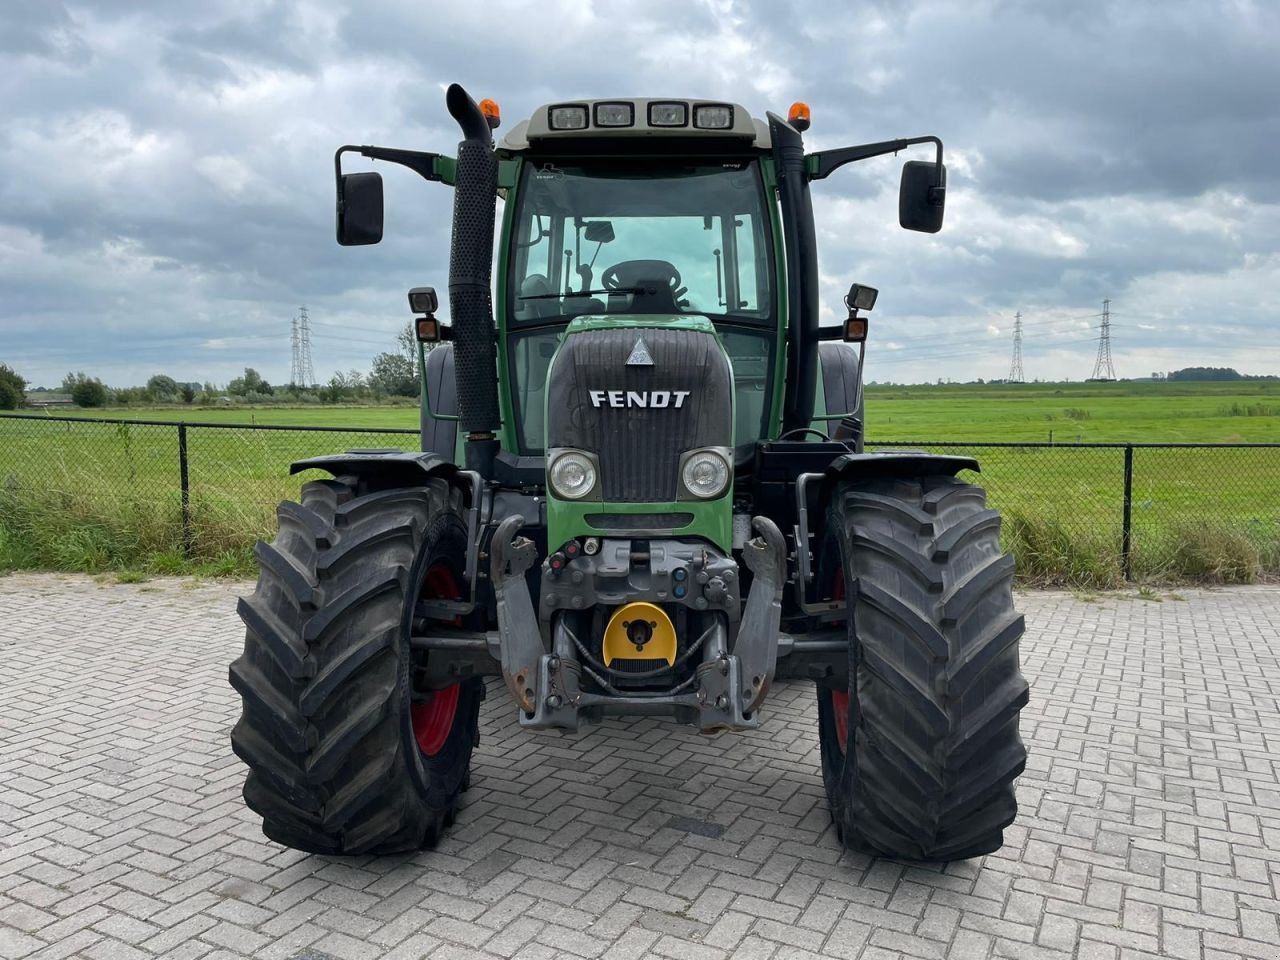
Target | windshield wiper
(586,293)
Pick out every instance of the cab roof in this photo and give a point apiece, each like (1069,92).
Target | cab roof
(743,130)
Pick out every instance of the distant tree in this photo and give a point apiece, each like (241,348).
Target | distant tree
(1205,373)
(250,383)
(13,388)
(128,395)
(85,391)
(408,341)
(187,393)
(343,386)
(393,375)
(162,389)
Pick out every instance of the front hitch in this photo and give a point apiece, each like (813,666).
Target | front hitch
(733,685)
(519,640)
(730,684)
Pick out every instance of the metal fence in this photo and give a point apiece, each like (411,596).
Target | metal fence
(1081,513)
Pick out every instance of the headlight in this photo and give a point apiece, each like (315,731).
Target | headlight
(705,475)
(572,476)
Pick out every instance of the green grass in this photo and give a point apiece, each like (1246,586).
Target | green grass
(1247,412)
(313,415)
(104,497)
(1157,412)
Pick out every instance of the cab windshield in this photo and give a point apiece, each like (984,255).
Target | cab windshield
(622,239)
(629,240)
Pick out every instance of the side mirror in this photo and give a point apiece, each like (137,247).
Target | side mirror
(922,196)
(359,209)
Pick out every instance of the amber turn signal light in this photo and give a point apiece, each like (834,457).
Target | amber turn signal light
(428,330)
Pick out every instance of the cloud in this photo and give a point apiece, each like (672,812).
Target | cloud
(167,199)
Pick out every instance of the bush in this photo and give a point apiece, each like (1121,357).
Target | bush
(85,391)
(13,388)
(129,395)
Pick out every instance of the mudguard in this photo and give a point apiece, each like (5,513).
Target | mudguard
(390,467)
(897,463)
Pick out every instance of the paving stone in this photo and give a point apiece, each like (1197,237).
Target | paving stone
(1148,824)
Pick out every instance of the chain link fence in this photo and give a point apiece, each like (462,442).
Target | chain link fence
(1097,514)
(79,493)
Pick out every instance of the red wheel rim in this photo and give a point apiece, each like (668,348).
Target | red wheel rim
(433,717)
(840,698)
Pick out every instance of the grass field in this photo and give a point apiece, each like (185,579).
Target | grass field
(94,497)
(1240,412)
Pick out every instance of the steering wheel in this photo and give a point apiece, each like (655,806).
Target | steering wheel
(636,273)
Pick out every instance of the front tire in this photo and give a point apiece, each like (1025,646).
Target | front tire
(344,757)
(920,752)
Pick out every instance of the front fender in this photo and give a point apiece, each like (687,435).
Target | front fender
(898,463)
(386,468)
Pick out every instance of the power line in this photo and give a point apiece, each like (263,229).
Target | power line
(1015,369)
(904,356)
(1102,367)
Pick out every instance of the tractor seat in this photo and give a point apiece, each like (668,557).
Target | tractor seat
(536,285)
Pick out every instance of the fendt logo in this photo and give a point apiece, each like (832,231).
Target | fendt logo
(654,399)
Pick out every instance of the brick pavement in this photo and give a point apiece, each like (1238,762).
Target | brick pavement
(1150,822)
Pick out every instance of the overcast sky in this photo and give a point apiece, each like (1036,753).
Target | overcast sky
(166,197)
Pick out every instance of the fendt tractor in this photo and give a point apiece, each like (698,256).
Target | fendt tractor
(642,491)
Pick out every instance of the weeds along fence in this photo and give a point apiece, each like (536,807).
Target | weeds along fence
(94,494)
(91,494)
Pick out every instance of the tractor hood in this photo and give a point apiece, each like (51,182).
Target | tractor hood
(639,395)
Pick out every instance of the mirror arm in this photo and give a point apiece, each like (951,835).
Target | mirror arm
(823,163)
(429,166)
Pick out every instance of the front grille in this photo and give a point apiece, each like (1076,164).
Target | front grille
(639,447)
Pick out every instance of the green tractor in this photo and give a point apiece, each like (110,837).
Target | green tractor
(642,491)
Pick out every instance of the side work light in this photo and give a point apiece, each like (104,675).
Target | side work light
(423,300)
(713,116)
(668,114)
(615,115)
(568,116)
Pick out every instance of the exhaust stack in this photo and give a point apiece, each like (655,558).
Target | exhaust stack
(470,275)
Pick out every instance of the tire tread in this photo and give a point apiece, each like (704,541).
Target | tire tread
(934,749)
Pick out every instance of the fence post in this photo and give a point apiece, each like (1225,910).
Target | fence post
(184,481)
(1126,524)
